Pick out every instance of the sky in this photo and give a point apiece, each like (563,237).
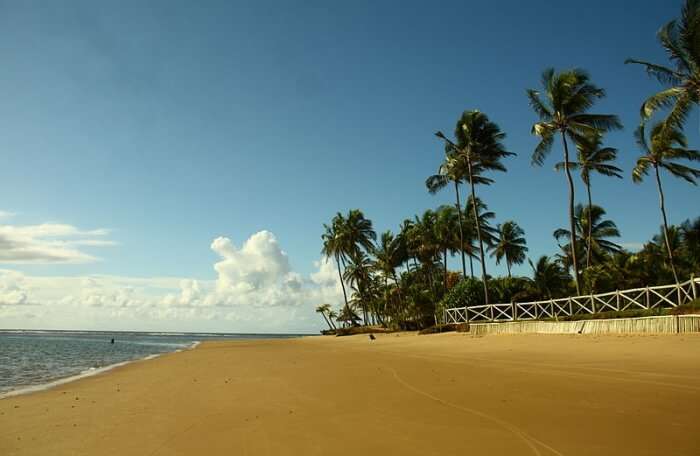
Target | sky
(169,165)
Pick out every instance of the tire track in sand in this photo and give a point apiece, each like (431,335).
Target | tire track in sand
(530,441)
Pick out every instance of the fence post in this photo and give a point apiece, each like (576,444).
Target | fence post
(513,310)
(678,294)
(466,314)
(646,292)
(551,309)
(617,299)
(692,286)
(491,311)
(592,303)
(571,307)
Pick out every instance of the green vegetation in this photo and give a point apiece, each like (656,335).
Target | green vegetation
(402,280)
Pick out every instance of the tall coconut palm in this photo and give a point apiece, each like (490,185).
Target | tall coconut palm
(480,146)
(594,236)
(357,233)
(325,311)
(681,41)
(593,158)
(563,110)
(451,170)
(666,145)
(510,245)
(333,243)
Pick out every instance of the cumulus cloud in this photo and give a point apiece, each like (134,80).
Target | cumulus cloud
(13,289)
(260,263)
(254,289)
(48,243)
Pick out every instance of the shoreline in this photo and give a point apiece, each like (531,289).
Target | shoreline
(91,372)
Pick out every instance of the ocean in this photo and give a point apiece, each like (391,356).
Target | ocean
(33,360)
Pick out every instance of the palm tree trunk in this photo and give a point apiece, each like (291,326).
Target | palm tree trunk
(508,266)
(445,256)
(327,322)
(398,288)
(471,267)
(572,224)
(342,284)
(589,243)
(478,232)
(461,231)
(663,215)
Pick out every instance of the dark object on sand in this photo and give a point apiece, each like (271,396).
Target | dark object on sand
(112,341)
(371,337)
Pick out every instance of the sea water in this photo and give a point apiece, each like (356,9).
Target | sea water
(30,360)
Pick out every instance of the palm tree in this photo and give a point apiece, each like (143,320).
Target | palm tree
(388,256)
(680,41)
(480,146)
(333,247)
(690,231)
(593,236)
(510,245)
(358,273)
(357,233)
(325,310)
(592,157)
(451,170)
(489,233)
(564,110)
(549,278)
(665,147)
(444,230)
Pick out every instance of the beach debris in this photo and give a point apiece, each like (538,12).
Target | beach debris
(371,337)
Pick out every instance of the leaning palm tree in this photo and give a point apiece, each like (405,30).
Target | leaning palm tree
(680,41)
(593,157)
(563,110)
(666,145)
(325,311)
(510,245)
(451,170)
(480,147)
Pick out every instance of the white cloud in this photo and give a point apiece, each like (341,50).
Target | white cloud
(48,243)
(254,289)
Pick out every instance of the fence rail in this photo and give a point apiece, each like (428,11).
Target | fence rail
(663,296)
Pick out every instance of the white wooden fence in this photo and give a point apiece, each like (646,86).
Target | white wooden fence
(663,296)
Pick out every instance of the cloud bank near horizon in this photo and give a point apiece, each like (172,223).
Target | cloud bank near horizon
(255,289)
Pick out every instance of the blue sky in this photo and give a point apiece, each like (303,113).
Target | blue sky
(173,123)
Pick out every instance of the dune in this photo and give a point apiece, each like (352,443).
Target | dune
(400,394)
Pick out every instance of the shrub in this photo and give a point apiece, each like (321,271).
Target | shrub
(507,289)
(468,292)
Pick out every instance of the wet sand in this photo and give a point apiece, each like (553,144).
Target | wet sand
(401,394)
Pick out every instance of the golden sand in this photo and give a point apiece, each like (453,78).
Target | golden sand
(401,394)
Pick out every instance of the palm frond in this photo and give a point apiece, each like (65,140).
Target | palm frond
(663,74)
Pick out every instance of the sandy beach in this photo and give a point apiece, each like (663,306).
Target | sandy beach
(401,394)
